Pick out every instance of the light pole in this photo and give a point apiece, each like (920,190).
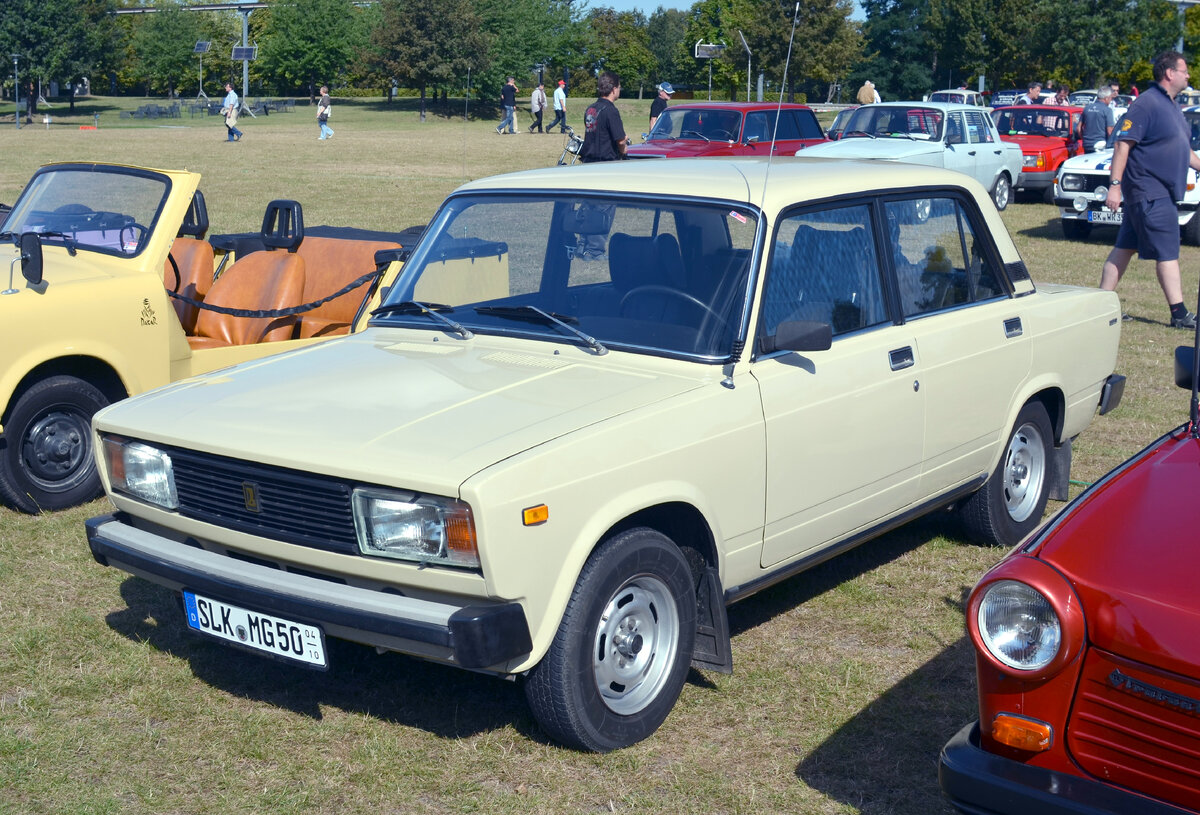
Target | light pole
(16,92)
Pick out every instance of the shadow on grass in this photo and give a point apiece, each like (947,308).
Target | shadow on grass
(447,702)
(884,759)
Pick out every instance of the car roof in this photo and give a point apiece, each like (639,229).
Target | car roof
(1072,108)
(741,105)
(942,106)
(741,179)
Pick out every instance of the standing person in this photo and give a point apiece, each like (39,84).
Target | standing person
(1097,121)
(1032,95)
(323,109)
(604,132)
(1151,156)
(230,108)
(560,108)
(660,102)
(866,94)
(508,100)
(1062,96)
(537,105)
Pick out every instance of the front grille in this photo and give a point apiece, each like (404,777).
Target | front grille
(1091,182)
(290,505)
(1139,728)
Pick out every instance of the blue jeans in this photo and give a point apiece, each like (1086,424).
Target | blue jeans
(326,131)
(508,120)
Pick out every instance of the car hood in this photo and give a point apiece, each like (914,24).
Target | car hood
(912,151)
(678,148)
(1036,144)
(406,408)
(1088,163)
(1131,551)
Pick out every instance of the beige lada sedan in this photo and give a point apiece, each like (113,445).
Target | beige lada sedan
(599,405)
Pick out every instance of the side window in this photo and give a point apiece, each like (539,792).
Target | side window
(940,262)
(954,129)
(808,125)
(824,267)
(787,125)
(977,128)
(759,125)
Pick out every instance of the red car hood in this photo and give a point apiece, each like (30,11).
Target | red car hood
(679,148)
(1133,554)
(1037,144)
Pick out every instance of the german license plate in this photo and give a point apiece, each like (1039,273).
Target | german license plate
(1104,216)
(262,632)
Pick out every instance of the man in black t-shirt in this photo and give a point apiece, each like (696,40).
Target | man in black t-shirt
(604,132)
(660,102)
(508,101)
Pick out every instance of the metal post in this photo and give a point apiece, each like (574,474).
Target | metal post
(245,62)
(16,92)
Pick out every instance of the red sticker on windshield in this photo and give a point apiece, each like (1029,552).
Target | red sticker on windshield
(739,216)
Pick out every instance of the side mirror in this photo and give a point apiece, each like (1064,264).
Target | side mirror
(798,335)
(1185,356)
(31,258)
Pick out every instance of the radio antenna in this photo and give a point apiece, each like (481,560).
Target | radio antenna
(779,107)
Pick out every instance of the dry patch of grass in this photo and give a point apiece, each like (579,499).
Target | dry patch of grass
(848,678)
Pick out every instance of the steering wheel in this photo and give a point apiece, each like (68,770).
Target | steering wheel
(641,291)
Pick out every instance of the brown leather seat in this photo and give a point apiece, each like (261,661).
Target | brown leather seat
(329,264)
(259,281)
(195,261)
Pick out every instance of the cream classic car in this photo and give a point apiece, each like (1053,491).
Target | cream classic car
(601,404)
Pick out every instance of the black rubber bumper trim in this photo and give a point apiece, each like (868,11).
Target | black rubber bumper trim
(981,783)
(477,636)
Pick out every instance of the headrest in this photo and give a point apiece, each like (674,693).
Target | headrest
(195,220)
(283,225)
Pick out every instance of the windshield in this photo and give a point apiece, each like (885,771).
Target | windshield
(698,124)
(1033,122)
(109,210)
(902,121)
(652,276)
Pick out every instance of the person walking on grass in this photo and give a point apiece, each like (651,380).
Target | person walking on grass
(560,108)
(323,109)
(537,106)
(230,107)
(1151,155)
(508,101)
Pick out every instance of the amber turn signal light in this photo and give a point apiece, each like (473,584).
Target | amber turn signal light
(1023,734)
(535,515)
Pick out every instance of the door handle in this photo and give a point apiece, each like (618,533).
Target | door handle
(901,358)
(1013,328)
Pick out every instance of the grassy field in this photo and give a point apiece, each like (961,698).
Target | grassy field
(847,679)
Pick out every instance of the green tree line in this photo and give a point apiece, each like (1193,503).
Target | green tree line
(441,48)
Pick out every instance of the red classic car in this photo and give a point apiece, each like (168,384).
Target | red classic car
(697,129)
(1087,653)
(1048,135)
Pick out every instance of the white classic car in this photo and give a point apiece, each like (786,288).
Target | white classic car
(957,137)
(1081,187)
(601,404)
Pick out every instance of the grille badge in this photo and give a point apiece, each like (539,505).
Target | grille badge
(1128,684)
(250,496)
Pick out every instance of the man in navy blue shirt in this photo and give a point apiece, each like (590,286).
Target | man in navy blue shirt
(1151,156)
(1097,121)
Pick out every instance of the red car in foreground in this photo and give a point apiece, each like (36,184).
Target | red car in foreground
(696,129)
(1087,642)
(1048,136)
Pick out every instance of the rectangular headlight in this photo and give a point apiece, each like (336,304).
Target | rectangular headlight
(426,529)
(140,471)
(1037,161)
(1070,182)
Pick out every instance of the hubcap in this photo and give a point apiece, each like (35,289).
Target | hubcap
(56,450)
(635,645)
(1024,472)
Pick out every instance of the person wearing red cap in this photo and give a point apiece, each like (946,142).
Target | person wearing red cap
(560,108)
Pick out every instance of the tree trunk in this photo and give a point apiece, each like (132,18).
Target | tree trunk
(422,101)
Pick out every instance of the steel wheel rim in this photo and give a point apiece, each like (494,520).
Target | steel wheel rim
(55,452)
(635,644)
(1002,189)
(1024,472)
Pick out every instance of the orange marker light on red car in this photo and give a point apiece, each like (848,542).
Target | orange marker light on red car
(1024,734)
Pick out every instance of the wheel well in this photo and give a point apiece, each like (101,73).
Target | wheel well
(683,524)
(1055,404)
(95,372)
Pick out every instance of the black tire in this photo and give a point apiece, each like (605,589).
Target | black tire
(622,651)
(46,458)
(1191,231)
(1075,230)
(1010,505)
(1002,192)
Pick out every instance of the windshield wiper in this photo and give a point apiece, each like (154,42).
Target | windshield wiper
(850,133)
(429,309)
(67,239)
(695,133)
(535,313)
